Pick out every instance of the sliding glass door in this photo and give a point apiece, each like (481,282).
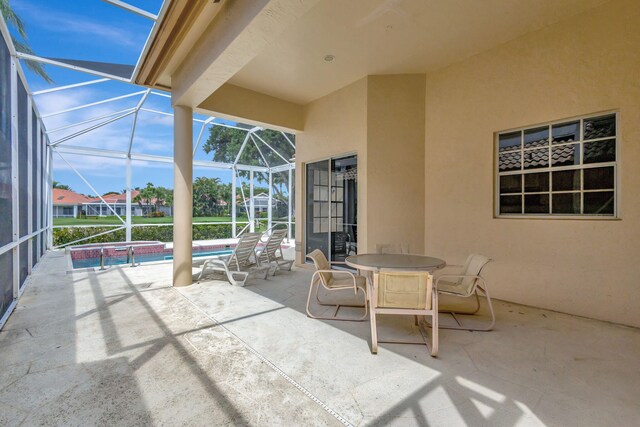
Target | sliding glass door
(331,214)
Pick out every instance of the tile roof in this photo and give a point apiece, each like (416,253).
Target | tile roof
(116,198)
(68,197)
(562,155)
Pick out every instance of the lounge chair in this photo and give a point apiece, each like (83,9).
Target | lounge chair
(404,293)
(240,264)
(268,254)
(326,277)
(469,282)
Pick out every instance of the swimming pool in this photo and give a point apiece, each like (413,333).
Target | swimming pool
(141,258)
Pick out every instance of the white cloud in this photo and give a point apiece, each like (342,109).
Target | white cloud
(81,26)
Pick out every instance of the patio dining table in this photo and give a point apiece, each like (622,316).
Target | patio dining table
(394,262)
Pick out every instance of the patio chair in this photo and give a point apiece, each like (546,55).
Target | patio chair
(404,293)
(392,248)
(240,264)
(267,255)
(468,284)
(334,280)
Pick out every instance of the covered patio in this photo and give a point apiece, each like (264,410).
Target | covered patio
(506,129)
(124,347)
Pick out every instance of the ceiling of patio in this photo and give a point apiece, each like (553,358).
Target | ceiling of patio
(390,37)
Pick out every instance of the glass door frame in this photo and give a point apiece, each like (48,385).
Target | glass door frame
(305,212)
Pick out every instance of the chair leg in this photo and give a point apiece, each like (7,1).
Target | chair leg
(490,304)
(309,299)
(491,312)
(434,325)
(335,316)
(374,330)
(235,282)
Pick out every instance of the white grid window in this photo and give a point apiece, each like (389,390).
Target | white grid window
(561,169)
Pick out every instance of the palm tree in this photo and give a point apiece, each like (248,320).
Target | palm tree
(21,44)
(57,184)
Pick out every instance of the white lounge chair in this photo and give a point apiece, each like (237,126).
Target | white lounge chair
(467,283)
(268,254)
(324,276)
(404,293)
(240,264)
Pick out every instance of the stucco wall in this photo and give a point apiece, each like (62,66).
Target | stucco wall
(334,125)
(381,119)
(395,160)
(586,64)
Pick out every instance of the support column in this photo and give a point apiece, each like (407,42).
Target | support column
(252,205)
(270,207)
(128,199)
(234,215)
(182,194)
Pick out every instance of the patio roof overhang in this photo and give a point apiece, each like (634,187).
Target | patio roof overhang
(278,56)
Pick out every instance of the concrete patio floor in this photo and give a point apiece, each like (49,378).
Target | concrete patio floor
(122,347)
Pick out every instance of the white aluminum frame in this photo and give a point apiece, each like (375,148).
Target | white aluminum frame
(550,169)
(13,247)
(44,160)
(133,9)
(60,148)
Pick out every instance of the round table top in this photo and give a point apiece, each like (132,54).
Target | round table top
(374,262)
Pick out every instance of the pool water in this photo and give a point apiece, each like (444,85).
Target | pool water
(119,260)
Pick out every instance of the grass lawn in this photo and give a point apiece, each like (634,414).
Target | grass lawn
(112,220)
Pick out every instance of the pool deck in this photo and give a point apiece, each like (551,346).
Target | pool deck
(123,347)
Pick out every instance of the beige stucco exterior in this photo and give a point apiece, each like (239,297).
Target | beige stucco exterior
(395,160)
(423,126)
(334,125)
(591,64)
(237,103)
(381,119)
(579,266)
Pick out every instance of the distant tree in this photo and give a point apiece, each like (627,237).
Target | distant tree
(146,195)
(20,41)
(163,196)
(60,186)
(208,195)
(154,196)
(225,143)
(109,193)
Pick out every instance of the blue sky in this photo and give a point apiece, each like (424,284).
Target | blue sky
(94,30)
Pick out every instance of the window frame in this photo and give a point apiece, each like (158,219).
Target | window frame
(615,164)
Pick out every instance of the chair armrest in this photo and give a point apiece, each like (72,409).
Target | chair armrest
(457,276)
(452,266)
(218,262)
(353,277)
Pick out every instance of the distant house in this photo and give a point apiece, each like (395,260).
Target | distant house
(261,202)
(118,202)
(68,203)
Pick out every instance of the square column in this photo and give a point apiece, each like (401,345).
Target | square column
(182,194)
